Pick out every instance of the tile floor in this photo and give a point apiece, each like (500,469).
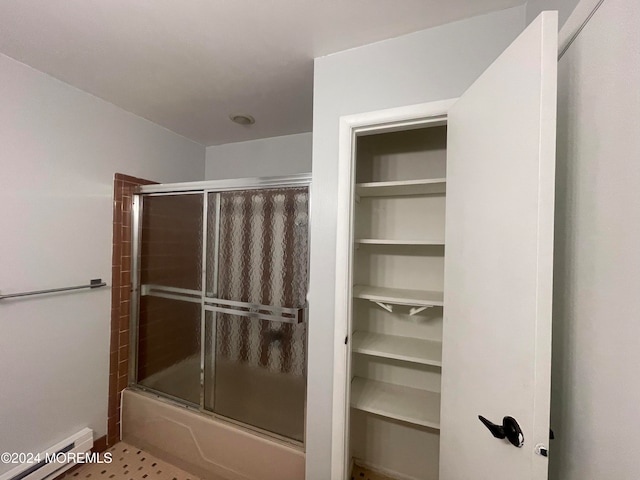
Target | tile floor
(361,473)
(129,463)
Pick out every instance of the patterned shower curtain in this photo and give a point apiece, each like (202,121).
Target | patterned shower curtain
(262,259)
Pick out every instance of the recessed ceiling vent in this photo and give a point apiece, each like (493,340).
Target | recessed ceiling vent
(242,119)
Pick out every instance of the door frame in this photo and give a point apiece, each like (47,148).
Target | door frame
(379,121)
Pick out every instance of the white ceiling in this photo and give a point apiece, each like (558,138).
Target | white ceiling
(188,64)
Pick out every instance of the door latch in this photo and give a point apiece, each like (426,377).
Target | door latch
(509,430)
(542,450)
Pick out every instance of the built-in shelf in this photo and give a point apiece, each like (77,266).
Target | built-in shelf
(411,405)
(426,186)
(388,241)
(399,296)
(416,350)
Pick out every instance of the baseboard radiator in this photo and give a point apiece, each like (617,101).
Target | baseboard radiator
(50,465)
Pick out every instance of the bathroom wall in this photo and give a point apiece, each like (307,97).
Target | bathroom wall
(266,157)
(429,65)
(595,382)
(59,150)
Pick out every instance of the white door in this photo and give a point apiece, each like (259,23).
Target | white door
(498,267)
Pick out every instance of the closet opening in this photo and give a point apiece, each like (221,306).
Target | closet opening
(393,309)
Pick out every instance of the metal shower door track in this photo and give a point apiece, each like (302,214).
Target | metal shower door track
(227,185)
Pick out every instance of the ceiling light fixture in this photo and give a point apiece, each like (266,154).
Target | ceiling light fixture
(242,119)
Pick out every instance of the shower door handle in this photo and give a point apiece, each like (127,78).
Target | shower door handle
(253,310)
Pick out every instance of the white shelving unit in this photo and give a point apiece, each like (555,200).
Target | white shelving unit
(399,214)
(425,186)
(408,349)
(388,241)
(399,296)
(411,405)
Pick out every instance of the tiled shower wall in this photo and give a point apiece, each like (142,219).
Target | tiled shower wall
(120,298)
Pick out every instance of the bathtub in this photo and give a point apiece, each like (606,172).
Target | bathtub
(206,446)
(259,397)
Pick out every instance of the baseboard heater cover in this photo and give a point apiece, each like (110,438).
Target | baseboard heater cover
(81,442)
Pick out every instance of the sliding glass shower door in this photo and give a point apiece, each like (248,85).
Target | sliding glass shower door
(256,371)
(223,288)
(169,320)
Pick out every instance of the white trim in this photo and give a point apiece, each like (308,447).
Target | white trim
(581,14)
(402,118)
(544,241)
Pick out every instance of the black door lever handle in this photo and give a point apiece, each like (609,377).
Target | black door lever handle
(496,430)
(509,430)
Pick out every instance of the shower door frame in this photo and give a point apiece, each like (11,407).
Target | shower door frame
(204,188)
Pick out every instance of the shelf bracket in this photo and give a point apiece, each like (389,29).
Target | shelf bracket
(386,306)
(415,310)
